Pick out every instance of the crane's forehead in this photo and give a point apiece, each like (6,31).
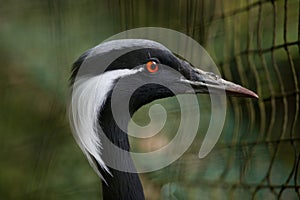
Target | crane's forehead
(120,54)
(140,57)
(125,45)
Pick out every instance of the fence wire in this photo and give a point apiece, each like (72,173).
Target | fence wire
(261,50)
(256,44)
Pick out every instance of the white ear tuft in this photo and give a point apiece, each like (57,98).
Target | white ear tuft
(88,96)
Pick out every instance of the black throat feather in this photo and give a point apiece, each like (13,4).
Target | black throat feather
(121,185)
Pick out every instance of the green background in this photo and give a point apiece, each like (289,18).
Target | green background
(254,43)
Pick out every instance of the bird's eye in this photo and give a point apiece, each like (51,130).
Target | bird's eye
(152,66)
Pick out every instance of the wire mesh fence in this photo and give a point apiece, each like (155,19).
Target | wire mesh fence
(261,49)
(255,43)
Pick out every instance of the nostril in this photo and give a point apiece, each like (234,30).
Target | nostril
(212,75)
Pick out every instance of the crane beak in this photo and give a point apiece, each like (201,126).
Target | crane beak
(208,82)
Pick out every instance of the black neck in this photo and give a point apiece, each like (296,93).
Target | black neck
(121,185)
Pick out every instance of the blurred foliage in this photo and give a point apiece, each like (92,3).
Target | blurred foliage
(255,43)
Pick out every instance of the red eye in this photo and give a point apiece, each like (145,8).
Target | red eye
(152,66)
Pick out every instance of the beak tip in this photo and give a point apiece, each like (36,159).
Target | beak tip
(241,91)
(251,94)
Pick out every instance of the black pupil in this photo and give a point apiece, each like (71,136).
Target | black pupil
(153,66)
